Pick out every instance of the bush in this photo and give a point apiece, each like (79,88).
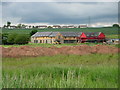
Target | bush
(11,38)
(15,39)
(4,38)
(21,39)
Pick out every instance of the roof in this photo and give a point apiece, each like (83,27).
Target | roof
(70,34)
(92,34)
(65,34)
(53,34)
(42,26)
(41,34)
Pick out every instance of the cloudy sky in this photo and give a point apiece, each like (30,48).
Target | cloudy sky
(95,13)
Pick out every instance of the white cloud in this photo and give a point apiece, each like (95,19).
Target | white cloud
(60,13)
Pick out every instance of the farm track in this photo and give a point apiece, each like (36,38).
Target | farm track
(27,51)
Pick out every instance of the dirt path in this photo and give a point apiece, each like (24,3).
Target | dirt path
(43,51)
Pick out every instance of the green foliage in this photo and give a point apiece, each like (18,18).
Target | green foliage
(115,25)
(107,30)
(49,27)
(19,25)
(11,38)
(8,24)
(61,71)
(15,39)
(33,32)
(4,38)
(21,39)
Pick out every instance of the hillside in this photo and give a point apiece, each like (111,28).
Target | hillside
(110,32)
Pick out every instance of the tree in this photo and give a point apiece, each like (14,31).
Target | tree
(19,25)
(4,38)
(4,26)
(19,39)
(8,24)
(115,25)
(23,26)
(33,32)
(49,27)
(11,38)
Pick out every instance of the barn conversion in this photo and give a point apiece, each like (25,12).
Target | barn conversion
(67,37)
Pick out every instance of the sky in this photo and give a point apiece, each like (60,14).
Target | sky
(95,14)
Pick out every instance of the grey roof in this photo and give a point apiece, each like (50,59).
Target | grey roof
(70,34)
(92,34)
(41,34)
(65,34)
(53,34)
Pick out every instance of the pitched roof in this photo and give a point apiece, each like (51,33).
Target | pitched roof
(92,34)
(65,34)
(70,34)
(53,34)
(41,34)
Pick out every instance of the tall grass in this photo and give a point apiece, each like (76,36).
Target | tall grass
(61,71)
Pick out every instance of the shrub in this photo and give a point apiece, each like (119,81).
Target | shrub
(21,39)
(16,39)
(11,38)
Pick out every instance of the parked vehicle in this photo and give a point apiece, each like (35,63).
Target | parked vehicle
(113,41)
(57,42)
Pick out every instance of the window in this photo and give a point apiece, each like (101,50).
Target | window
(40,41)
(35,41)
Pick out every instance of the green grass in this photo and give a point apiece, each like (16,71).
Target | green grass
(61,71)
(107,30)
(116,36)
(110,32)
(58,45)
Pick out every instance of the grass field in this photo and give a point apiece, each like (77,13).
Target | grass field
(107,30)
(61,71)
(110,32)
(58,45)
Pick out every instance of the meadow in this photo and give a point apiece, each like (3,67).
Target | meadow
(61,71)
(110,32)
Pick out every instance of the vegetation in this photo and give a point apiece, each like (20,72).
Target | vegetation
(33,32)
(115,25)
(8,24)
(61,71)
(106,30)
(111,32)
(21,39)
(10,39)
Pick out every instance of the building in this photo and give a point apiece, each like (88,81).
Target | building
(91,37)
(67,37)
(56,26)
(82,26)
(42,26)
(50,37)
